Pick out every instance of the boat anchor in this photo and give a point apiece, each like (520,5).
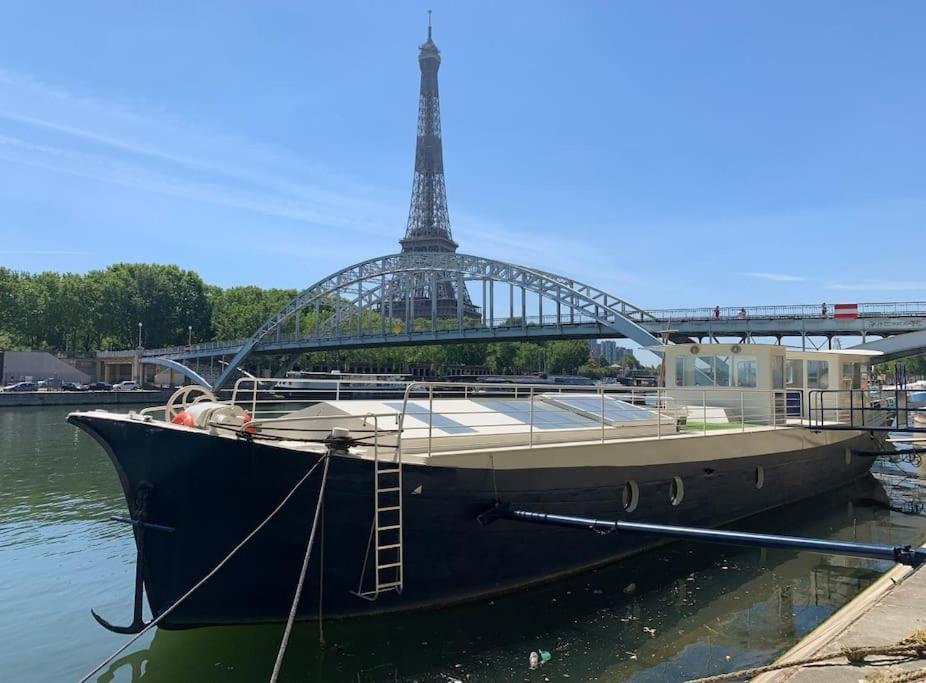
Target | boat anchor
(140,526)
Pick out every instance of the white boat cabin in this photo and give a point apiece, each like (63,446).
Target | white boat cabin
(769,381)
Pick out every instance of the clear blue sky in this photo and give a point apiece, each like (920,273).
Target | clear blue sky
(673,153)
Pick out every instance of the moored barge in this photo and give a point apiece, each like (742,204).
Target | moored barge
(729,435)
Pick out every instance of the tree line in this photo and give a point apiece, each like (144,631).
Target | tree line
(102,309)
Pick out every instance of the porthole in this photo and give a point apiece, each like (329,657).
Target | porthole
(759,479)
(630,496)
(676,491)
(848,456)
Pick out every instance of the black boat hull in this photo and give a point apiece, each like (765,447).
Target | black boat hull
(214,491)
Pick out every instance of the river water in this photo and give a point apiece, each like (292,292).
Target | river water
(677,612)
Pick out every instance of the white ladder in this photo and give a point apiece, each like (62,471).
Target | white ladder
(388,526)
(386,536)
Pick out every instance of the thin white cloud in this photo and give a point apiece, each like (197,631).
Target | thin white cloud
(879,286)
(777,277)
(41,252)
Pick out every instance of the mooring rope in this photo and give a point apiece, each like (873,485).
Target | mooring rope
(154,622)
(912,646)
(299,586)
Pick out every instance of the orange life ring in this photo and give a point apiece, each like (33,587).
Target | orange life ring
(252,429)
(184,418)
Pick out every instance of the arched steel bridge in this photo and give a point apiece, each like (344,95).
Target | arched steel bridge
(357,307)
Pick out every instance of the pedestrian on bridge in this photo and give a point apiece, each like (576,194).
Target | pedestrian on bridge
(823,310)
(716,312)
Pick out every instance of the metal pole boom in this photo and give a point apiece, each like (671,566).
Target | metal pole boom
(903,554)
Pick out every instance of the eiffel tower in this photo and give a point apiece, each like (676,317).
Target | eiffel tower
(428,228)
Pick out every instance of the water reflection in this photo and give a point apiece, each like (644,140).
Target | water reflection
(676,612)
(679,611)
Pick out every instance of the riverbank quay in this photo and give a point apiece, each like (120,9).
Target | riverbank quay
(886,613)
(84,398)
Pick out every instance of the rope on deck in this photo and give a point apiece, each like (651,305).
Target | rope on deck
(154,622)
(299,586)
(912,646)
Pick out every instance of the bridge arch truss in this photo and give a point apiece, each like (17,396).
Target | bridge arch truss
(372,303)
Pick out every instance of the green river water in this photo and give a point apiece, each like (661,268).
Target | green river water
(677,612)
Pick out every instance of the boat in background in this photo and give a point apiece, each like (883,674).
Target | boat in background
(336,385)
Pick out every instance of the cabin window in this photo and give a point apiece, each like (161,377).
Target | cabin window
(818,374)
(794,374)
(702,371)
(759,479)
(852,372)
(746,371)
(778,372)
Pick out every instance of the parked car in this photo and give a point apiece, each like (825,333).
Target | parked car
(129,385)
(21,386)
(99,386)
(73,386)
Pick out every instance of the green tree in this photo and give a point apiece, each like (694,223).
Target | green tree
(566,356)
(237,312)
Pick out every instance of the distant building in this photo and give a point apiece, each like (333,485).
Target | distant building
(607,351)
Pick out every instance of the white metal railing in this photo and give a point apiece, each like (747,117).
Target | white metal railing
(796,311)
(532,414)
(683,411)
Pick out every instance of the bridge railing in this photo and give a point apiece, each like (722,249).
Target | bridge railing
(797,311)
(398,328)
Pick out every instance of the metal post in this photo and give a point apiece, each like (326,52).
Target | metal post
(382,316)
(461,285)
(485,307)
(572,305)
(409,289)
(601,392)
(430,414)
(704,411)
(491,303)
(658,414)
(511,302)
(360,308)
(434,301)
(530,438)
(523,306)
(742,410)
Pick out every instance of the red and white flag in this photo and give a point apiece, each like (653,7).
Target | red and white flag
(845,310)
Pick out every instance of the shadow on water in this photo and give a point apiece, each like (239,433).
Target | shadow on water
(678,611)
